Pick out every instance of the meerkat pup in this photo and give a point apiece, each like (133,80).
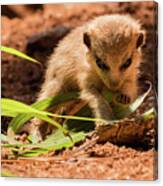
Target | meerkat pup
(105,52)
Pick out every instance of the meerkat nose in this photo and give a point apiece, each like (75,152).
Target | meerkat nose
(114,83)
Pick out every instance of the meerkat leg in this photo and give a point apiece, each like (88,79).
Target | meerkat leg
(50,88)
(37,127)
(99,105)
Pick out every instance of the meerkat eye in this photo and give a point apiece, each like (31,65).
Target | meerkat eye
(101,65)
(126,64)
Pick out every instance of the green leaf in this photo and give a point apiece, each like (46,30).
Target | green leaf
(17,53)
(56,141)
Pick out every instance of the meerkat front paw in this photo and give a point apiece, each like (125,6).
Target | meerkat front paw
(123,98)
(36,128)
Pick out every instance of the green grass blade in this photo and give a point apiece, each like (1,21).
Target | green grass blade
(17,122)
(34,153)
(18,107)
(151,113)
(8,113)
(19,54)
(52,122)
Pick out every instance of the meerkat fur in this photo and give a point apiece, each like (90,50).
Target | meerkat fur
(104,52)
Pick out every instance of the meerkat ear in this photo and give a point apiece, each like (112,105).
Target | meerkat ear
(140,39)
(87,40)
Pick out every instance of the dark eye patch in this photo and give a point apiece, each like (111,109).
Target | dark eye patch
(101,65)
(126,64)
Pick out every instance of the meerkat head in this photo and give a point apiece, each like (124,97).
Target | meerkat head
(114,48)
